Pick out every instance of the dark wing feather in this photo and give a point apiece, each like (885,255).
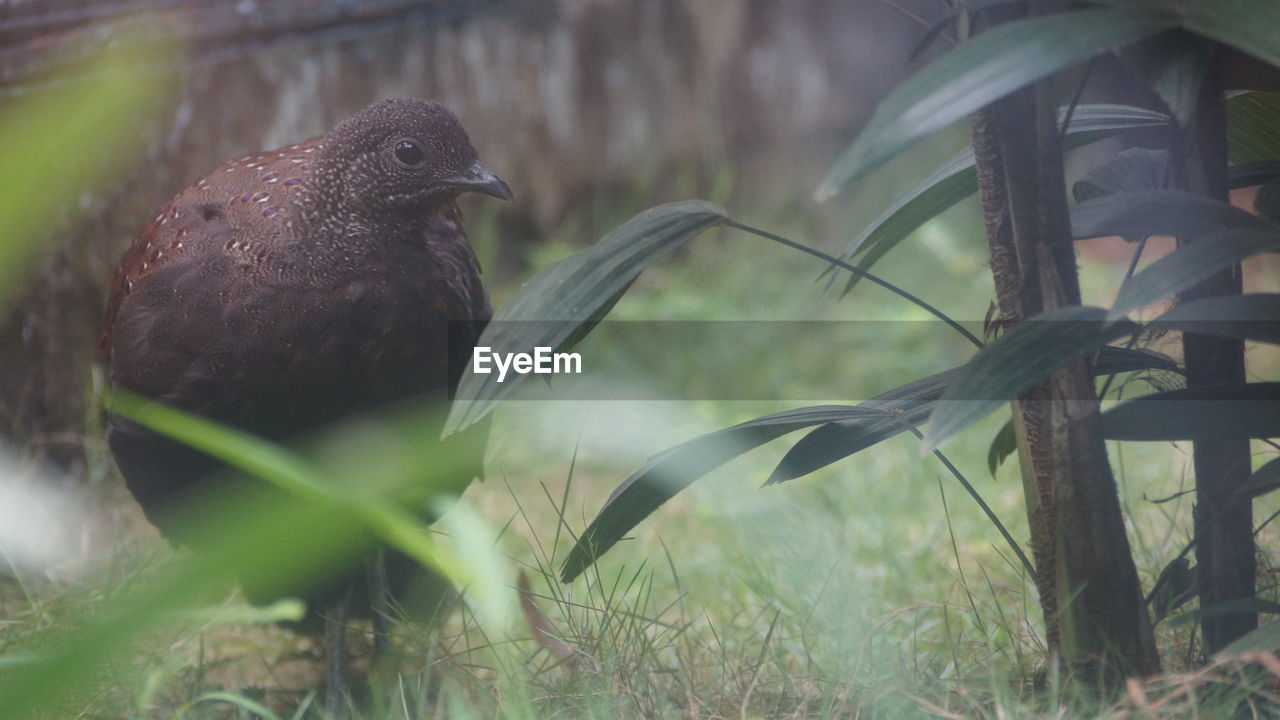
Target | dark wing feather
(227,202)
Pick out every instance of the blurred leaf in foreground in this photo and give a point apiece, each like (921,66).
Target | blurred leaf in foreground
(326,516)
(63,140)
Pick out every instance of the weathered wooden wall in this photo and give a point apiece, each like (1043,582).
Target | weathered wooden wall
(562,97)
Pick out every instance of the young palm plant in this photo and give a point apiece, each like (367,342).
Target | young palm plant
(1043,365)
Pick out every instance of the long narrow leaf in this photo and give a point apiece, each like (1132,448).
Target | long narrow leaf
(65,143)
(1229,607)
(890,413)
(1188,266)
(1267,202)
(562,303)
(1130,171)
(909,406)
(1252,134)
(671,471)
(294,474)
(1251,409)
(1265,479)
(1253,174)
(1161,212)
(948,185)
(1266,638)
(1004,444)
(1221,236)
(1173,64)
(1023,356)
(1246,25)
(985,69)
(284,543)
(1250,137)
(957,179)
(1253,316)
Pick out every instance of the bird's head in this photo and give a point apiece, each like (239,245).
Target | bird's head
(403,155)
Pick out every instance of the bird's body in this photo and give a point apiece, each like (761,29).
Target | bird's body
(288,289)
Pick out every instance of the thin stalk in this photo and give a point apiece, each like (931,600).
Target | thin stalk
(1191,546)
(955,553)
(1075,100)
(1133,339)
(1017,549)
(864,274)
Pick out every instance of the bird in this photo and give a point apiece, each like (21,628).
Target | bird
(285,290)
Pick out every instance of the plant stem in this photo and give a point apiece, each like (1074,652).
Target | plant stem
(864,274)
(1133,339)
(973,493)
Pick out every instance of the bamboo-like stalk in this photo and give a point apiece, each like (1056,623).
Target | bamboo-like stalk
(1095,618)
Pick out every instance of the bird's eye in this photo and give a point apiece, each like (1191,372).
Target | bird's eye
(409,154)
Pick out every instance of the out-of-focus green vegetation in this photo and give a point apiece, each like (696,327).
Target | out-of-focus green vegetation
(64,140)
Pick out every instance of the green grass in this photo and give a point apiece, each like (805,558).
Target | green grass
(873,588)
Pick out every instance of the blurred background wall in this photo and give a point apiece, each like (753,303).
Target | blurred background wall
(571,101)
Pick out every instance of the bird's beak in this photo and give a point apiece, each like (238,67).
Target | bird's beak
(477,178)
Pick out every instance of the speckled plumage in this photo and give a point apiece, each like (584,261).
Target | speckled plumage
(287,289)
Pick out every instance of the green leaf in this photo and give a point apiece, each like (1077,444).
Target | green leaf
(1188,266)
(845,430)
(1265,479)
(1251,409)
(912,403)
(238,701)
(1132,170)
(888,414)
(253,455)
(948,185)
(1252,316)
(957,180)
(1114,360)
(981,71)
(1264,639)
(1175,586)
(671,471)
(1160,212)
(1251,174)
(1010,365)
(1267,202)
(63,143)
(250,527)
(560,305)
(1253,135)
(1246,25)
(1004,444)
(1173,64)
(1250,606)
(1221,236)
(391,521)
